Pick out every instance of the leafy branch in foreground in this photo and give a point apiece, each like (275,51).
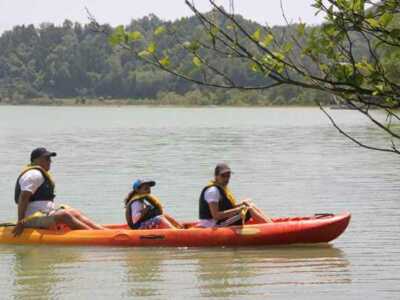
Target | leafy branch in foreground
(325,58)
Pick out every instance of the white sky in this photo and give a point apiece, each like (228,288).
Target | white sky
(115,12)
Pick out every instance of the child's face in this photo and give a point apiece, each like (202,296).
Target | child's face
(144,189)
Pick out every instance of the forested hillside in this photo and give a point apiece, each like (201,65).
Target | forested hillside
(74,62)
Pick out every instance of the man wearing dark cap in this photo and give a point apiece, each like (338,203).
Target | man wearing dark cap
(34,195)
(217,205)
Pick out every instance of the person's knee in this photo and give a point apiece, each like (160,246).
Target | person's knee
(165,223)
(63,216)
(74,212)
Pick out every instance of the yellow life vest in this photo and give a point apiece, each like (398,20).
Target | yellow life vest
(46,191)
(37,167)
(228,193)
(153,200)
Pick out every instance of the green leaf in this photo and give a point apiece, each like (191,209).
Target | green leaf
(390,101)
(358,79)
(324,68)
(267,59)
(301,29)
(214,30)
(255,67)
(391,4)
(120,30)
(347,69)
(165,61)
(287,47)
(372,22)
(118,36)
(358,5)
(330,29)
(159,30)
(134,36)
(279,55)
(385,19)
(279,68)
(379,87)
(267,40)
(197,62)
(231,26)
(317,4)
(192,46)
(365,68)
(144,54)
(114,40)
(256,35)
(151,48)
(343,4)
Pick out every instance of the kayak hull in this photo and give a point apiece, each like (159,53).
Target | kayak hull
(283,231)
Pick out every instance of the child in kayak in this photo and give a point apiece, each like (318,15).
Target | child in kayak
(143,210)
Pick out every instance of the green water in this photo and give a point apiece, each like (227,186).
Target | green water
(289,160)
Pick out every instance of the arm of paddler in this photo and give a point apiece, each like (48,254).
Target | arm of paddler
(23,201)
(221,215)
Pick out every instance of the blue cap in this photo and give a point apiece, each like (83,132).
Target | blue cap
(139,182)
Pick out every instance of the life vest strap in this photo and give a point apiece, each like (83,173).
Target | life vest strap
(35,215)
(39,168)
(227,191)
(153,200)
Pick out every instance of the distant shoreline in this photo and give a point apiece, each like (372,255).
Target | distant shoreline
(88,102)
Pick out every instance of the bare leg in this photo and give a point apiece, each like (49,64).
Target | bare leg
(82,218)
(258,215)
(165,223)
(174,222)
(63,216)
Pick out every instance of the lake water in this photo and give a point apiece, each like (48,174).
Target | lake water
(290,161)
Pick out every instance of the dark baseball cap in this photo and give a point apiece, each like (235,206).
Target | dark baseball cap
(40,152)
(139,182)
(222,168)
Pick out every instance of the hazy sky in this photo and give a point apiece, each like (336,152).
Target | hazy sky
(114,12)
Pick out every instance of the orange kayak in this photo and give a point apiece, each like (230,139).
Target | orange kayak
(283,231)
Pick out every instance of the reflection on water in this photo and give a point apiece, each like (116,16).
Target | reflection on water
(241,272)
(143,267)
(36,270)
(48,272)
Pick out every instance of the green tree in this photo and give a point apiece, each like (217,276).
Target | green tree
(353,56)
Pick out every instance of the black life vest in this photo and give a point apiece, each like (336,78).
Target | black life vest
(149,201)
(226,201)
(44,193)
(223,203)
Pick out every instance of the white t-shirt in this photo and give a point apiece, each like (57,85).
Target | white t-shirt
(211,195)
(30,182)
(136,209)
